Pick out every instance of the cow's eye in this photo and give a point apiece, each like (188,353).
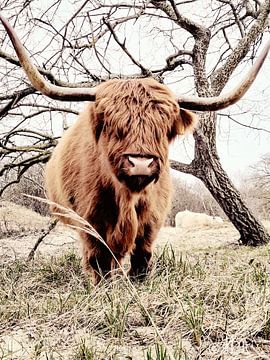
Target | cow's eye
(120,134)
(108,131)
(98,130)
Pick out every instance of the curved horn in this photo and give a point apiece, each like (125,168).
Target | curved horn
(230,98)
(37,80)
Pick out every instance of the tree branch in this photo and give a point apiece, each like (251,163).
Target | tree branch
(244,125)
(15,98)
(145,72)
(220,77)
(45,232)
(185,168)
(48,74)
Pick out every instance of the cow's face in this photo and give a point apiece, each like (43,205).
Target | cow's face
(134,121)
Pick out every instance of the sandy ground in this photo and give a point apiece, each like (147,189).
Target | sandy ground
(26,227)
(21,228)
(62,239)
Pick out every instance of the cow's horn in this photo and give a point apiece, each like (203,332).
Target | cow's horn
(37,80)
(222,101)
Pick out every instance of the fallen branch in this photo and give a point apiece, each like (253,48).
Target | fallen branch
(45,232)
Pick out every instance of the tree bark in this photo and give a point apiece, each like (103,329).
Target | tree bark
(211,173)
(251,231)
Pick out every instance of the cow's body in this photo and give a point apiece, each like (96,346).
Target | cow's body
(80,176)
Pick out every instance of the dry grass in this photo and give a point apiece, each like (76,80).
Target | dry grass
(207,302)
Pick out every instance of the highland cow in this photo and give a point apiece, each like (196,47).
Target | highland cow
(111,167)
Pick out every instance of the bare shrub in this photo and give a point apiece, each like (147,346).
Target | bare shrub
(31,183)
(255,187)
(193,197)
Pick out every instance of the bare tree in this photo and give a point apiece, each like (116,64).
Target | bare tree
(260,183)
(225,31)
(193,197)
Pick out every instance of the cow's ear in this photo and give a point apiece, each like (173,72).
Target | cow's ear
(188,121)
(185,122)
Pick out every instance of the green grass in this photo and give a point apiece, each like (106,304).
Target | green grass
(204,304)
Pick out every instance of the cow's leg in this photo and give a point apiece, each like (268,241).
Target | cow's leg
(103,265)
(98,259)
(140,258)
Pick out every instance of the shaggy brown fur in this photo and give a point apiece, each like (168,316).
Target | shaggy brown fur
(87,171)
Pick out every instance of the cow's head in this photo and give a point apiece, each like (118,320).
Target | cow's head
(135,119)
(134,122)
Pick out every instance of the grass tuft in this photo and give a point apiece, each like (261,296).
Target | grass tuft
(202,304)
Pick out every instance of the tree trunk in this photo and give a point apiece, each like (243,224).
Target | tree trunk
(218,183)
(206,166)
